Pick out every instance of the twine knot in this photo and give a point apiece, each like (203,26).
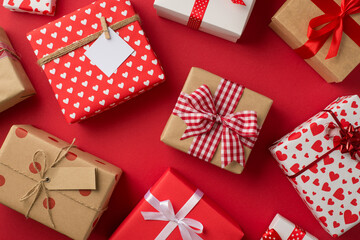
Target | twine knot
(40,185)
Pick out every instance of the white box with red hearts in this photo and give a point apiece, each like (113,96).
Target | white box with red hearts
(331,187)
(40,7)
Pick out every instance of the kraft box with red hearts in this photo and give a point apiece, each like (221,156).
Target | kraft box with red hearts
(320,158)
(81,88)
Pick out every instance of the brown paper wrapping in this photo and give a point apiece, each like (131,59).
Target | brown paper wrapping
(71,213)
(250,100)
(15,86)
(291,24)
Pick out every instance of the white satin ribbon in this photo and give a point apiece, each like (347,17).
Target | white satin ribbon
(188,227)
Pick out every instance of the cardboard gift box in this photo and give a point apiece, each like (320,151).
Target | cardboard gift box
(41,7)
(244,101)
(281,228)
(38,170)
(82,89)
(188,203)
(223,18)
(291,23)
(320,158)
(15,85)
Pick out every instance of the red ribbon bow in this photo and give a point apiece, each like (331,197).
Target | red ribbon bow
(272,234)
(199,9)
(211,119)
(334,21)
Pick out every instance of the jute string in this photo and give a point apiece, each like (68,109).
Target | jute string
(13,53)
(40,185)
(75,45)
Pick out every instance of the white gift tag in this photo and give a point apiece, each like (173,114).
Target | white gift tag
(109,54)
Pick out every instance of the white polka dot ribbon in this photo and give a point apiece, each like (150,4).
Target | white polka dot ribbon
(198,12)
(272,234)
(189,228)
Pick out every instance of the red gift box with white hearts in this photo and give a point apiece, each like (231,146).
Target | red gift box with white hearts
(320,158)
(173,189)
(80,87)
(41,7)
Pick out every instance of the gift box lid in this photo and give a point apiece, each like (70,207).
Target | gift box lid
(171,186)
(313,136)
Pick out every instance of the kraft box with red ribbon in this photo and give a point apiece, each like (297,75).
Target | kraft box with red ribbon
(321,158)
(325,33)
(216,120)
(282,229)
(84,87)
(41,7)
(175,209)
(15,85)
(53,182)
(223,18)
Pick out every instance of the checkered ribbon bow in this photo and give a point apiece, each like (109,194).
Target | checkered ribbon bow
(211,119)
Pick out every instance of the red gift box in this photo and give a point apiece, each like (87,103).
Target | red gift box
(81,88)
(171,186)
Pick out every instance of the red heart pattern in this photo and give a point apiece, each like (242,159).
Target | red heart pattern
(335,179)
(41,7)
(82,89)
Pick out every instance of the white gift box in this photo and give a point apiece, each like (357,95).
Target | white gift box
(222,18)
(40,7)
(285,228)
(331,187)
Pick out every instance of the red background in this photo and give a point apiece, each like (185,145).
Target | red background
(128,135)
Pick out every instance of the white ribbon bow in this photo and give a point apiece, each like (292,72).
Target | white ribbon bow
(188,227)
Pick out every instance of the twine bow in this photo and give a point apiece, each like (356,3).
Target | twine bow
(211,119)
(40,185)
(334,21)
(188,227)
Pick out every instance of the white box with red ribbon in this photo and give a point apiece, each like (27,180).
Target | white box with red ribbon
(280,229)
(223,18)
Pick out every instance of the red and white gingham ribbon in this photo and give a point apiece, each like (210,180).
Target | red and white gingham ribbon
(211,119)
(198,12)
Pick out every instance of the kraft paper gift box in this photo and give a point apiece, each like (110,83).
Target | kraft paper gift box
(41,7)
(78,187)
(222,18)
(321,161)
(249,100)
(81,88)
(281,228)
(291,24)
(15,86)
(174,191)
